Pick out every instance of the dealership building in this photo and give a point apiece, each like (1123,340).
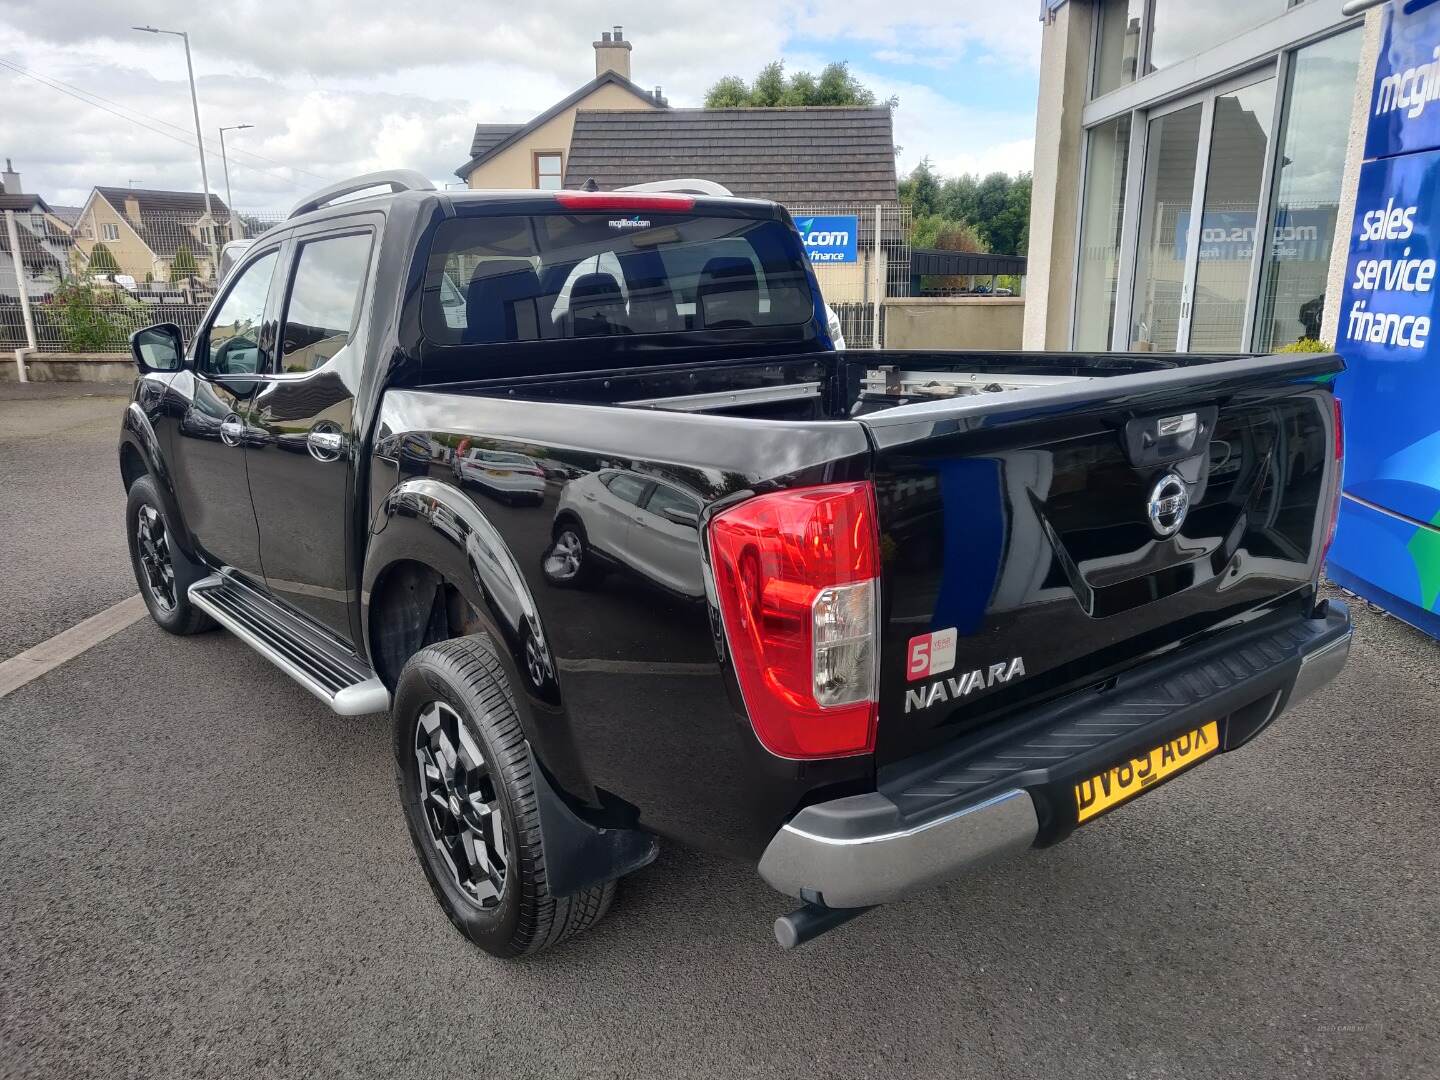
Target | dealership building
(1237,175)
(1193,128)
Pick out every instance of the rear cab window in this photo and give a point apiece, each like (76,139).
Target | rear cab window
(595,274)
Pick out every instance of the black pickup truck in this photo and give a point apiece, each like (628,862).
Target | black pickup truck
(575,485)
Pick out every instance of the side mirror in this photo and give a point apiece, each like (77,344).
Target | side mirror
(681,517)
(158,348)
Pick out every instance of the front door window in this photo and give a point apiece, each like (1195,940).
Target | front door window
(234,344)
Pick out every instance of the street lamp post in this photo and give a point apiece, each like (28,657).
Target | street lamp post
(225,164)
(199,140)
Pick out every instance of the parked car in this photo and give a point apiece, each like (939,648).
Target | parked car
(614,519)
(940,606)
(512,478)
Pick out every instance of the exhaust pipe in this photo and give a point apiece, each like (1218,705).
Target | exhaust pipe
(810,921)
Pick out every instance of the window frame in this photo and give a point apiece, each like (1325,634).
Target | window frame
(106,229)
(295,246)
(535,156)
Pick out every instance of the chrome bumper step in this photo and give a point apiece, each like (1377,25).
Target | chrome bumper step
(293,644)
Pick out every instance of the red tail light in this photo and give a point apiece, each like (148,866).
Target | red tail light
(1339,480)
(621,200)
(796,572)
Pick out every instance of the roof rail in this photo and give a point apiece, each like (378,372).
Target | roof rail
(691,186)
(394,179)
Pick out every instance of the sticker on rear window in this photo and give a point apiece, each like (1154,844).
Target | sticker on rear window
(931,654)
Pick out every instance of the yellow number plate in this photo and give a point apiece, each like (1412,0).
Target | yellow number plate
(1117,785)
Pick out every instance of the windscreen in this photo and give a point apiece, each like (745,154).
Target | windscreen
(547,277)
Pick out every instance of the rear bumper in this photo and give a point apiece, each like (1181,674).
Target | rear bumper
(938,815)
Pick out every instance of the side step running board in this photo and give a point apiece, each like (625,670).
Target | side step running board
(294,645)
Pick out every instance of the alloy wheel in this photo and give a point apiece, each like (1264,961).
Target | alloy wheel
(461,803)
(152,544)
(537,661)
(563,562)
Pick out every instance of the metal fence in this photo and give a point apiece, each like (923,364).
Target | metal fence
(134,270)
(857,291)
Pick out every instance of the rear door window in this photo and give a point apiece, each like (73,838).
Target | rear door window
(544,277)
(630,489)
(324,297)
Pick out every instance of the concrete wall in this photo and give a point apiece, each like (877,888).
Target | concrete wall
(955,322)
(69,367)
(1350,183)
(1055,198)
(514,166)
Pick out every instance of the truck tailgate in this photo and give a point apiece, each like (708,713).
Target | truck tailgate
(1041,541)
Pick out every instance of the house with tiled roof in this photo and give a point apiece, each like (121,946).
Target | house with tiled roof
(146,229)
(43,235)
(532,155)
(801,156)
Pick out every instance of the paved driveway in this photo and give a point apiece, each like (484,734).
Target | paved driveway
(204,873)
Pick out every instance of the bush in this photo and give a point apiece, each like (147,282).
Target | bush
(1307,345)
(183,264)
(102,260)
(94,319)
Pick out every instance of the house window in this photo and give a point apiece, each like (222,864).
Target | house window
(548,169)
(109,231)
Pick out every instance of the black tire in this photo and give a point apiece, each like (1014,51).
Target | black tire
(464,675)
(170,608)
(569,537)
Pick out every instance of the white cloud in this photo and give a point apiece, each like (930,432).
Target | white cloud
(336,88)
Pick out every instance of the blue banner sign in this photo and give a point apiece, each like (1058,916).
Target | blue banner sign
(1387,547)
(1405,100)
(830,238)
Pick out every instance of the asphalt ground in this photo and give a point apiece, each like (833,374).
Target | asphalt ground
(204,873)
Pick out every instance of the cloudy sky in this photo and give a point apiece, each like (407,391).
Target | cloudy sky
(337,88)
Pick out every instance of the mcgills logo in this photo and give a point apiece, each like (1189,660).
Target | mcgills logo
(636,222)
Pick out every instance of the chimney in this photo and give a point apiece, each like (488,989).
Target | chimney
(10,179)
(132,209)
(612,53)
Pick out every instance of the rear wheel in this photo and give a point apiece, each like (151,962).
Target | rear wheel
(569,561)
(155,560)
(466,784)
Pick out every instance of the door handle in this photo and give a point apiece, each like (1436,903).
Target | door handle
(232,431)
(325,445)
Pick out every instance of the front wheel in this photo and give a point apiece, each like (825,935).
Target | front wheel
(155,560)
(467,787)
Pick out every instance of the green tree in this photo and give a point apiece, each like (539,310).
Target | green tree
(945,234)
(996,206)
(183,264)
(102,260)
(731,92)
(1008,231)
(771,88)
(921,190)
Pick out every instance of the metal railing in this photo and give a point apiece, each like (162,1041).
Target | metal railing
(91,289)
